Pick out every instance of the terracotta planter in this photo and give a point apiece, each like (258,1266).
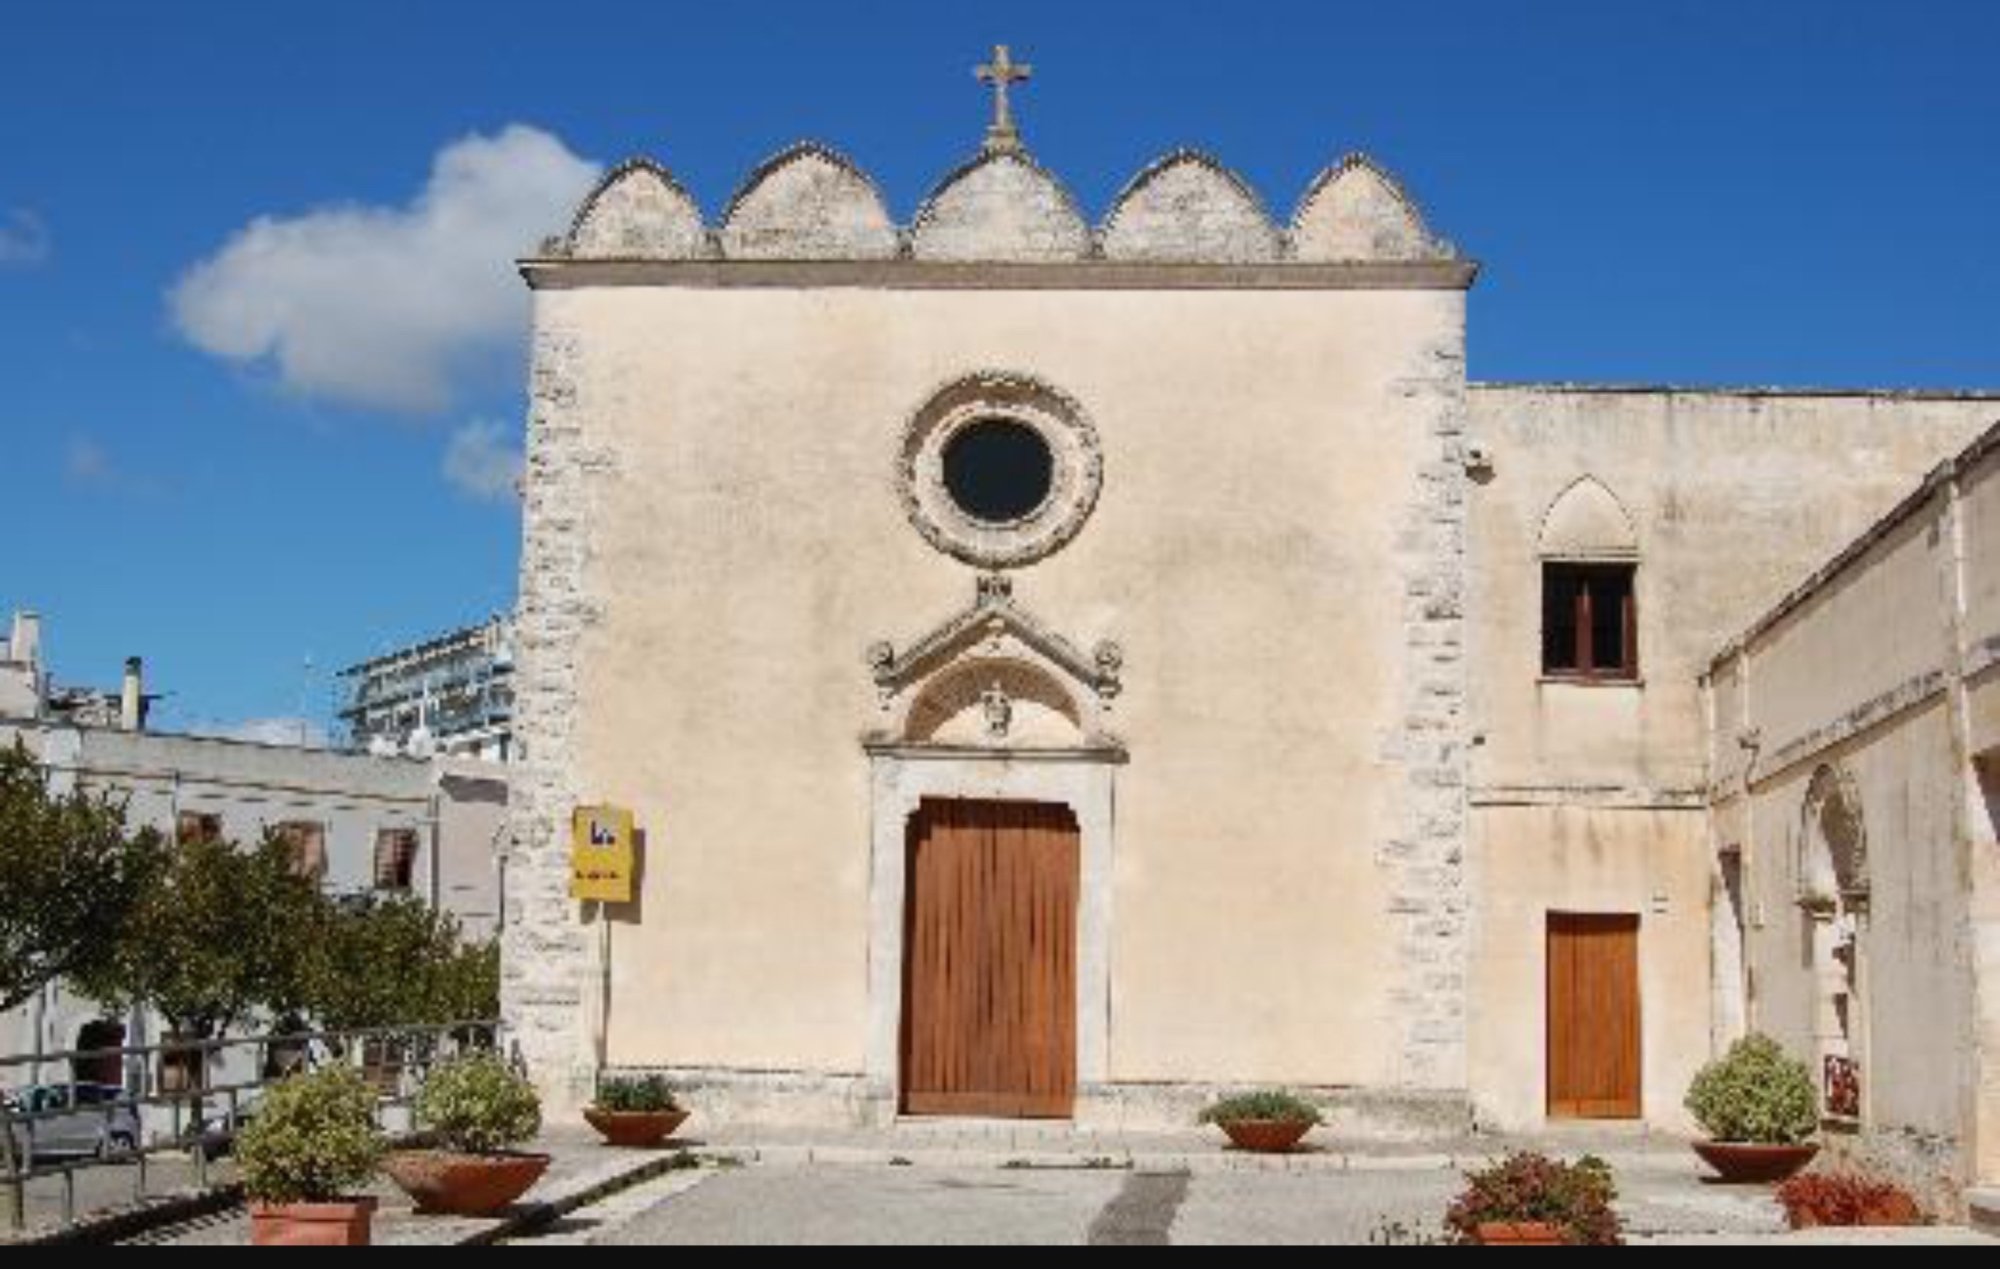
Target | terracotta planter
(465,1185)
(629,1130)
(1756,1165)
(313,1224)
(1522,1236)
(1267,1136)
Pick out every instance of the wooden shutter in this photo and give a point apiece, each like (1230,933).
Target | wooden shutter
(990,997)
(395,860)
(1595,1024)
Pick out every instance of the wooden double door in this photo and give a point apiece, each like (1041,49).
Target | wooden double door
(990,980)
(1596,1023)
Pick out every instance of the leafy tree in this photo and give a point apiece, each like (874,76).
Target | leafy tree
(70,876)
(222,934)
(396,963)
(467,986)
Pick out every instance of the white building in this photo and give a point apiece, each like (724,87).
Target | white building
(451,695)
(364,824)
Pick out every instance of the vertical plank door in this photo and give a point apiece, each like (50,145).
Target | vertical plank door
(1596,1044)
(989,1009)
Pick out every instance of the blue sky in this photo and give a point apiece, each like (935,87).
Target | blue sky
(233,448)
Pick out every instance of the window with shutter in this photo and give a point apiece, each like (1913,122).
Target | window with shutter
(396,860)
(1590,622)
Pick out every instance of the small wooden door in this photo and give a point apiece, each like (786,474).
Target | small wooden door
(990,988)
(1596,1045)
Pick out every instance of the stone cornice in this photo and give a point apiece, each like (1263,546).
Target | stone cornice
(910,275)
(1588,796)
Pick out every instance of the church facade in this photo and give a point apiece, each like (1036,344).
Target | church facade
(1064,670)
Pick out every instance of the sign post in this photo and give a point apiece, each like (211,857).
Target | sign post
(604,870)
(605,856)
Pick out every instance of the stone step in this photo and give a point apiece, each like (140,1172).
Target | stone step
(1985,1205)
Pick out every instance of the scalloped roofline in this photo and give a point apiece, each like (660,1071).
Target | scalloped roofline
(1185,156)
(927,210)
(630,167)
(798,152)
(1361,161)
(1264,231)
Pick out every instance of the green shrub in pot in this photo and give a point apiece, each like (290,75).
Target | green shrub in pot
(312,1147)
(1263,1108)
(479,1105)
(650,1095)
(1757,1095)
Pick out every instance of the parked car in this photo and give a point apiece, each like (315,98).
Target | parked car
(217,1138)
(74,1121)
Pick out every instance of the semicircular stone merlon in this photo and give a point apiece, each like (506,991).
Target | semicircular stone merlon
(639,212)
(1190,209)
(1003,208)
(1359,213)
(809,204)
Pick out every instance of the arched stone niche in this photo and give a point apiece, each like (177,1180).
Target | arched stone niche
(1589,523)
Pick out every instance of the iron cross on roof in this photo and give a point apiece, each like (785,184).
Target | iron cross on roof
(1001,75)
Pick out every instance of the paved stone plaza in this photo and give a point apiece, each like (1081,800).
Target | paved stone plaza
(971,1185)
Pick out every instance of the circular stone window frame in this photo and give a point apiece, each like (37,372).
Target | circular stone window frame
(1076,481)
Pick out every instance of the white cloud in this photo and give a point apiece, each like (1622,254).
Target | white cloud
(390,307)
(290,733)
(24,240)
(483,462)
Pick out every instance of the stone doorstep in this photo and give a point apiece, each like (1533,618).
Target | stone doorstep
(1193,1162)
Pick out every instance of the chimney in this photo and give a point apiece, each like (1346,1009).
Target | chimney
(132,714)
(26,647)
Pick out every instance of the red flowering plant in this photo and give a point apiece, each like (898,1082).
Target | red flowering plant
(1827,1201)
(1576,1200)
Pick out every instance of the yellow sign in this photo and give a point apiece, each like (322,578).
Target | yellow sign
(605,858)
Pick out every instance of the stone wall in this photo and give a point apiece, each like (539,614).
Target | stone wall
(548,981)
(1431,896)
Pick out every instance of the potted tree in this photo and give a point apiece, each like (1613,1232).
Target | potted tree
(1265,1123)
(1529,1200)
(1760,1110)
(636,1114)
(478,1110)
(312,1146)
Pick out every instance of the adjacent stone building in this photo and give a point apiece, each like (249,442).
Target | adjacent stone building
(1855,745)
(1064,670)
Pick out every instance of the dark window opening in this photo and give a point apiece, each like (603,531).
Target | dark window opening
(1590,622)
(999,472)
(396,860)
(195,829)
(307,842)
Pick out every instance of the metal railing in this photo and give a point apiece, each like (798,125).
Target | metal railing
(172,1080)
